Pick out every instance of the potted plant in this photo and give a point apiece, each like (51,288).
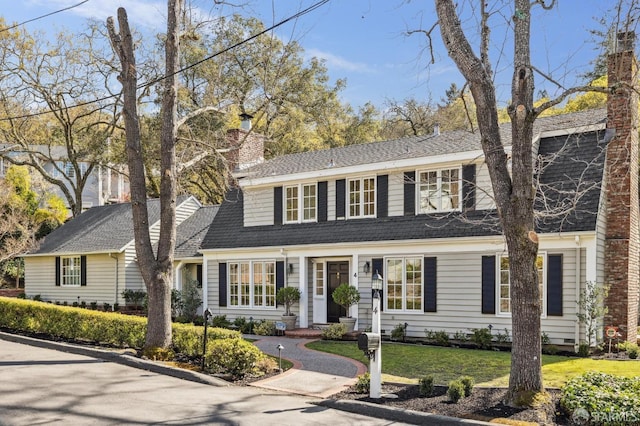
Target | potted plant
(287,296)
(346,296)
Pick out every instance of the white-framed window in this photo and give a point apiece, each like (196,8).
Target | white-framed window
(300,203)
(404,283)
(318,276)
(439,190)
(504,283)
(65,168)
(362,197)
(252,284)
(70,271)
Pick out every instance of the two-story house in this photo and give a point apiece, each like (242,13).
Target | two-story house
(419,212)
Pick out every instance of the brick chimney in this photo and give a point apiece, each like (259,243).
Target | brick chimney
(622,265)
(246,147)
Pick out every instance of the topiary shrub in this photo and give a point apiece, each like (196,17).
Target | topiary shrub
(346,296)
(425,386)
(455,392)
(468,383)
(334,332)
(363,385)
(236,357)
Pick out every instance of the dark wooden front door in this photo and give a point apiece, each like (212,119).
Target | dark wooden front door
(338,273)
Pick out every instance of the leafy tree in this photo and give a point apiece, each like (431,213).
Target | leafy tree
(42,83)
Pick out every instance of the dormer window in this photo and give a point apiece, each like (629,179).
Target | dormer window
(439,190)
(300,203)
(362,197)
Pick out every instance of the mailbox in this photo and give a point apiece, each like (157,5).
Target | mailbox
(368,342)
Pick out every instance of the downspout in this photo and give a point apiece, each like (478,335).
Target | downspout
(576,338)
(115,300)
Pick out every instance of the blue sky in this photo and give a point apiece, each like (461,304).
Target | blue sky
(364,41)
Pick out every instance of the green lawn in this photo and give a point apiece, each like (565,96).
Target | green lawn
(488,368)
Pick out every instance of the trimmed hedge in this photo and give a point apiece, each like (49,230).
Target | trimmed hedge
(124,331)
(233,356)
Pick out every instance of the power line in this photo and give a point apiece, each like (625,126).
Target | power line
(43,16)
(181,70)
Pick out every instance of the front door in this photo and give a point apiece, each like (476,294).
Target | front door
(337,273)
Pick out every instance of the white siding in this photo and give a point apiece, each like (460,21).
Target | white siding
(186,209)
(258,207)
(101,277)
(484,191)
(331,200)
(396,194)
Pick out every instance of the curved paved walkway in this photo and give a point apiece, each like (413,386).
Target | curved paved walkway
(314,373)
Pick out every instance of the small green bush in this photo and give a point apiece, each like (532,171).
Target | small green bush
(550,349)
(584,350)
(460,336)
(93,305)
(264,328)
(363,384)
(481,337)
(220,321)
(105,307)
(468,383)
(243,326)
(503,337)
(232,356)
(398,332)
(334,332)
(440,338)
(455,392)
(604,399)
(425,385)
(134,297)
(544,337)
(633,353)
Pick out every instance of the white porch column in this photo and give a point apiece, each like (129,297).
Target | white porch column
(205,286)
(354,279)
(178,276)
(304,290)
(592,261)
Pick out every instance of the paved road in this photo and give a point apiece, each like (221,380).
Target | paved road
(43,386)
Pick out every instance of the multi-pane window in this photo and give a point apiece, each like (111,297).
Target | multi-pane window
(362,197)
(71,271)
(300,203)
(404,283)
(252,284)
(439,190)
(319,279)
(504,287)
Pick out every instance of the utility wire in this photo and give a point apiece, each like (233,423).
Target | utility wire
(181,70)
(43,16)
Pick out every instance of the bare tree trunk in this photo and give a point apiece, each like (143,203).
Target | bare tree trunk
(514,196)
(157,272)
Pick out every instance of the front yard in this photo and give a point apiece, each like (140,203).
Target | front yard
(409,362)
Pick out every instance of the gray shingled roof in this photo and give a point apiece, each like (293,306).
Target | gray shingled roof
(109,229)
(409,147)
(577,168)
(191,232)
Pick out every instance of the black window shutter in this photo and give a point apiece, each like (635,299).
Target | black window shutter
(57,270)
(222,284)
(279,277)
(488,284)
(409,193)
(377,266)
(468,187)
(382,201)
(430,284)
(554,285)
(340,198)
(199,274)
(277,205)
(322,201)
(83,270)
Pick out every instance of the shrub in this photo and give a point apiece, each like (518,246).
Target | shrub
(287,296)
(398,332)
(440,338)
(243,326)
(455,392)
(425,386)
(93,305)
(363,384)
(604,398)
(190,300)
(544,337)
(481,337)
(264,328)
(232,356)
(134,297)
(334,332)
(550,349)
(460,336)
(187,338)
(584,349)
(503,337)
(220,321)
(105,307)
(37,298)
(468,383)
(266,365)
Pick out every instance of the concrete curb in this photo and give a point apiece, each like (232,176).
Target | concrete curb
(119,356)
(395,414)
